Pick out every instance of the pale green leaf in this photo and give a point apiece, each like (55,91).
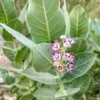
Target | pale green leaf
(45,78)
(79,22)
(66,93)
(82,83)
(45,94)
(83,63)
(41,77)
(45,20)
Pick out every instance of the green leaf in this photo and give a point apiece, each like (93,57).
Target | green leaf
(42,57)
(95,26)
(82,83)
(9,51)
(66,93)
(45,94)
(83,63)
(14,24)
(45,20)
(96,38)
(45,78)
(19,36)
(79,22)
(22,54)
(79,46)
(7,11)
(23,13)
(41,53)
(67,18)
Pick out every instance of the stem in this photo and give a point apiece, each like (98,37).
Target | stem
(61,83)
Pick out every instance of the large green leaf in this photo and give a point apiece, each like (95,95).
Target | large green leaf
(45,78)
(45,20)
(14,24)
(45,94)
(79,22)
(83,63)
(66,93)
(41,77)
(7,11)
(79,46)
(42,57)
(82,83)
(41,53)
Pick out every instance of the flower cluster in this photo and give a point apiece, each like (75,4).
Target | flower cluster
(63,60)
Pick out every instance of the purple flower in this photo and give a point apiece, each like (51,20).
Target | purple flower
(70,67)
(56,55)
(56,63)
(69,57)
(55,46)
(68,42)
(60,68)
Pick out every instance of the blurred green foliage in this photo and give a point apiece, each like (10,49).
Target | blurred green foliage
(92,7)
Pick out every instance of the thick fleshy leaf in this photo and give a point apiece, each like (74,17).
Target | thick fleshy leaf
(66,93)
(42,57)
(45,20)
(45,94)
(79,46)
(7,11)
(41,53)
(41,77)
(95,26)
(83,63)
(14,24)
(82,83)
(79,22)
(19,36)
(45,78)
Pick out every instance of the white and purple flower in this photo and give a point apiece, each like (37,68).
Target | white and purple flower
(59,55)
(67,41)
(56,56)
(55,46)
(70,67)
(56,63)
(68,56)
(60,68)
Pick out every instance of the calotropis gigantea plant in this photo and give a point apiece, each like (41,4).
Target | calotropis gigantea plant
(43,69)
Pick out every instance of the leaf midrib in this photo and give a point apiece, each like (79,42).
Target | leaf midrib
(4,11)
(46,20)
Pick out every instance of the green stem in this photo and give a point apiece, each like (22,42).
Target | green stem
(61,83)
